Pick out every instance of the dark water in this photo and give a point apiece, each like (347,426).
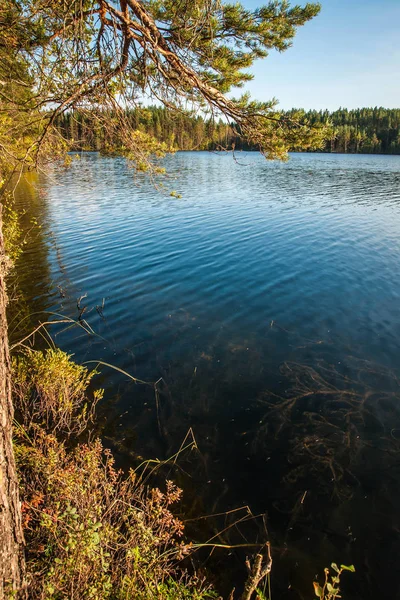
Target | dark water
(267,300)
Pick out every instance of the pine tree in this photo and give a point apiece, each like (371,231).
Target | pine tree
(108,55)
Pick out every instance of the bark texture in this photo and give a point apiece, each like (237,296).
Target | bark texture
(11,534)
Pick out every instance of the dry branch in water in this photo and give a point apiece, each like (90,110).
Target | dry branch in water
(259,570)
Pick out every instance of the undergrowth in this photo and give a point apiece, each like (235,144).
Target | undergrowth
(91,532)
(52,391)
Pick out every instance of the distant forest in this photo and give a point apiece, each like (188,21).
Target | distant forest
(365,130)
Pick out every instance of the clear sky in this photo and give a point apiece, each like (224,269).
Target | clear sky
(348,56)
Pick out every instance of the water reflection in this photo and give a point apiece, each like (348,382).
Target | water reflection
(266,300)
(30,286)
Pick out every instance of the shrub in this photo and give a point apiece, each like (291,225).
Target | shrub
(91,531)
(52,391)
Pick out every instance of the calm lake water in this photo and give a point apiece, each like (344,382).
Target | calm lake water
(267,298)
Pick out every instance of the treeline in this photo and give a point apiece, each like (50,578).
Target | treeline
(179,131)
(365,130)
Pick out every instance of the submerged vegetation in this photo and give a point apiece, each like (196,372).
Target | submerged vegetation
(330,589)
(91,530)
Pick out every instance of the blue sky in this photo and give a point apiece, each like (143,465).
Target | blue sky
(348,56)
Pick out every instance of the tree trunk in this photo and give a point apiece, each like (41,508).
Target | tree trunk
(11,534)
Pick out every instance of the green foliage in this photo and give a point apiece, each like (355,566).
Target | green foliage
(15,232)
(330,590)
(179,590)
(230,37)
(51,390)
(21,120)
(364,130)
(358,131)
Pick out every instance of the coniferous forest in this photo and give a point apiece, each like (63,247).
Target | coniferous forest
(363,131)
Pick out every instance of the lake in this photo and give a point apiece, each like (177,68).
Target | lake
(265,301)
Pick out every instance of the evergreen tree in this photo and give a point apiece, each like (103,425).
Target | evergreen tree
(107,55)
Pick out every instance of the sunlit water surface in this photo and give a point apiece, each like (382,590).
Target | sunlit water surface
(267,300)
